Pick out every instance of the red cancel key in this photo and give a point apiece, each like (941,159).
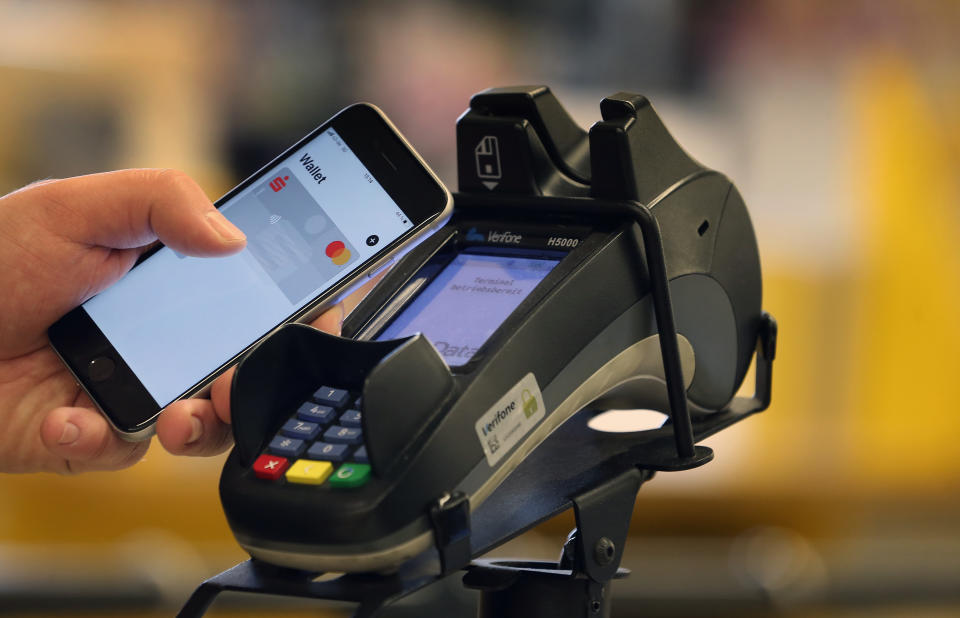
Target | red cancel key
(270,467)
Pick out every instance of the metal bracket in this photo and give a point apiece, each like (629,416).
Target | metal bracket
(577,586)
(603,520)
(450,517)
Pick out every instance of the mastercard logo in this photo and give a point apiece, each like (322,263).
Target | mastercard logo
(338,253)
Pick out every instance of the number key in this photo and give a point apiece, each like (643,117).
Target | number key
(336,397)
(343,435)
(315,413)
(350,418)
(300,429)
(360,455)
(324,451)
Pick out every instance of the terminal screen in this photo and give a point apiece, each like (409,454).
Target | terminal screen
(467,301)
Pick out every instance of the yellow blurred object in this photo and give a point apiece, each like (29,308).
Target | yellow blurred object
(904,418)
(173,493)
(153,88)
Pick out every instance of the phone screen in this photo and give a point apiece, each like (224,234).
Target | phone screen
(467,301)
(312,220)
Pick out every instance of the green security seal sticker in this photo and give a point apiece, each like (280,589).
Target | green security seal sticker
(506,422)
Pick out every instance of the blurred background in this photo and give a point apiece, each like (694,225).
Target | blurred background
(840,124)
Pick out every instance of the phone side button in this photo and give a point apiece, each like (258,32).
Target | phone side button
(100,368)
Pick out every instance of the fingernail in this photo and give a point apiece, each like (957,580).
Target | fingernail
(196,431)
(343,313)
(227,231)
(70,433)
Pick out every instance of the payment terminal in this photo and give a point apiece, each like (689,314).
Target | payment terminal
(546,293)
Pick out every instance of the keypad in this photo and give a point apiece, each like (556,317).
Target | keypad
(320,444)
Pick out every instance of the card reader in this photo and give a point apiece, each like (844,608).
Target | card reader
(531,304)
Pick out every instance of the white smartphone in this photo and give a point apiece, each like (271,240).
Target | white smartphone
(322,217)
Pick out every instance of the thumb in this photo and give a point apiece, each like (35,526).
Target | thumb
(133,208)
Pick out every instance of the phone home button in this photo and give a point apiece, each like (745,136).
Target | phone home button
(100,368)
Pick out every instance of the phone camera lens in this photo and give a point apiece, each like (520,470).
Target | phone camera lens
(372,240)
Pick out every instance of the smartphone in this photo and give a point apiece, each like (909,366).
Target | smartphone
(320,219)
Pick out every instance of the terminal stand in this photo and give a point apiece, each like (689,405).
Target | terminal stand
(597,474)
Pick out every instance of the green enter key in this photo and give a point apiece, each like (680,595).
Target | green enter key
(350,475)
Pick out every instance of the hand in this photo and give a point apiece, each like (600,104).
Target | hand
(61,242)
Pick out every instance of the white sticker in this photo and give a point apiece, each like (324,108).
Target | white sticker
(510,419)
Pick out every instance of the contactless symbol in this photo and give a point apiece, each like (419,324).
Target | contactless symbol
(338,253)
(372,239)
(278,183)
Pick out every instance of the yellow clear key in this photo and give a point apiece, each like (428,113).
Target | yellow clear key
(309,472)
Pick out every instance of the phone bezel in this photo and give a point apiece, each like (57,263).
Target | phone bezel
(386,154)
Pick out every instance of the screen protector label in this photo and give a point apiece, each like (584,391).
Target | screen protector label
(505,424)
